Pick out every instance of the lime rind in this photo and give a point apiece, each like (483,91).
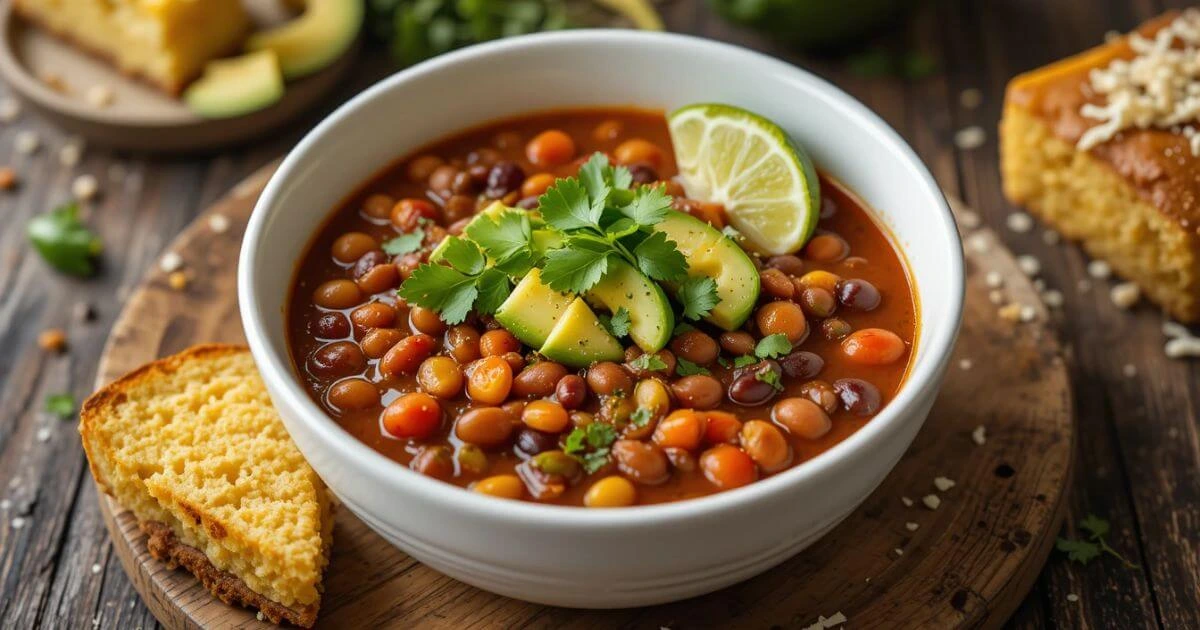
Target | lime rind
(767,182)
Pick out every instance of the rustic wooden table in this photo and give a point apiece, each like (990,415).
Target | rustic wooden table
(1139,445)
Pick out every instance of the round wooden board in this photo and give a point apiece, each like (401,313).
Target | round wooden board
(140,117)
(968,564)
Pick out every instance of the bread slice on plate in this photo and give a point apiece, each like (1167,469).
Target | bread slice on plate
(192,445)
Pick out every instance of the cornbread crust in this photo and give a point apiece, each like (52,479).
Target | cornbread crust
(1133,201)
(277,544)
(165,547)
(227,43)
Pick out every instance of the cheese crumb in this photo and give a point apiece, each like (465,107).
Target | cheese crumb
(1072,597)
(43,434)
(994,280)
(1051,237)
(910,526)
(996,296)
(170,262)
(898,551)
(970,138)
(1029,265)
(95,569)
(26,141)
(979,435)
(1155,89)
(10,109)
(970,98)
(969,219)
(70,154)
(1099,269)
(943,483)
(85,187)
(5,504)
(1182,342)
(1129,370)
(1125,295)
(906,501)
(99,96)
(18,522)
(1028,313)
(218,223)
(1019,222)
(1083,285)
(931,501)
(1053,298)
(964,364)
(979,243)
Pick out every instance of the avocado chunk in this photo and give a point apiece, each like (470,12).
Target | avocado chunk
(236,86)
(650,316)
(710,253)
(314,40)
(532,310)
(579,339)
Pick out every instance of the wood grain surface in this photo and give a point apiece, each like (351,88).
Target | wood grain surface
(968,563)
(1138,446)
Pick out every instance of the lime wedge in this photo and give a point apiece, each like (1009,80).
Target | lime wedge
(746,162)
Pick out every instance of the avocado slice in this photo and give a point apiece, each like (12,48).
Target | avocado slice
(650,316)
(710,253)
(532,310)
(579,339)
(236,86)
(314,40)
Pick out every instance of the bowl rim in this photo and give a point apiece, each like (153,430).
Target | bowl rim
(924,374)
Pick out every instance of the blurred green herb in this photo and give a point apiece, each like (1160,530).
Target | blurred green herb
(64,242)
(880,62)
(1083,550)
(61,405)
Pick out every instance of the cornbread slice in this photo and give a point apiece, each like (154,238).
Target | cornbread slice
(166,42)
(192,445)
(1109,172)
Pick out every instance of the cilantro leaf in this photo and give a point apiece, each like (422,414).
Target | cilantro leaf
(575,269)
(566,206)
(575,441)
(596,175)
(443,289)
(773,346)
(595,460)
(502,237)
(641,417)
(621,228)
(61,405)
(648,362)
(405,243)
(494,287)
(601,434)
(590,445)
(619,323)
(1094,525)
(698,296)
(660,259)
(770,377)
(463,255)
(683,367)
(649,205)
(1080,551)
(682,327)
(744,361)
(64,241)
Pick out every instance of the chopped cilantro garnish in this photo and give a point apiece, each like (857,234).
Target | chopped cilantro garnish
(590,444)
(698,296)
(405,243)
(648,363)
(619,323)
(770,377)
(744,360)
(61,405)
(683,367)
(453,291)
(641,417)
(64,241)
(773,346)
(1084,551)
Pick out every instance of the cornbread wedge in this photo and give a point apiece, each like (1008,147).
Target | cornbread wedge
(192,445)
(165,42)
(1107,156)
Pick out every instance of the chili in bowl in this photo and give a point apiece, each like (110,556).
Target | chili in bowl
(560,302)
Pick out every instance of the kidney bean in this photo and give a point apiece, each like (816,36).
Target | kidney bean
(504,178)
(858,396)
(857,294)
(538,380)
(695,346)
(532,441)
(680,459)
(751,384)
(801,364)
(835,328)
(409,214)
(434,461)
(330,325)
(462,341)
(643,173)
(698,391)
(787,263)
(379,278)
(776,284)
(642,462)
(571,391)
(441,179)
(369,261)
(406,356)
(818,302)
(821,393)
(485,426)
(801,417)
(606,378)
(737,343)
(340,358)
(377,341)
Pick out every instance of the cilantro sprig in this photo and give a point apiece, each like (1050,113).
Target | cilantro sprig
(61,405)
(769,347)
(1084,550)
(601,219)
(590,445)
(466,284)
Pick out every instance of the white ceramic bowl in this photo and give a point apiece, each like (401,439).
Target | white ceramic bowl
(572,556)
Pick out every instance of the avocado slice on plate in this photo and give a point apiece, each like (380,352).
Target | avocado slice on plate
(236,86)
(314,40)
(710,253)
(650,316)
(579,339)
(532,310)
